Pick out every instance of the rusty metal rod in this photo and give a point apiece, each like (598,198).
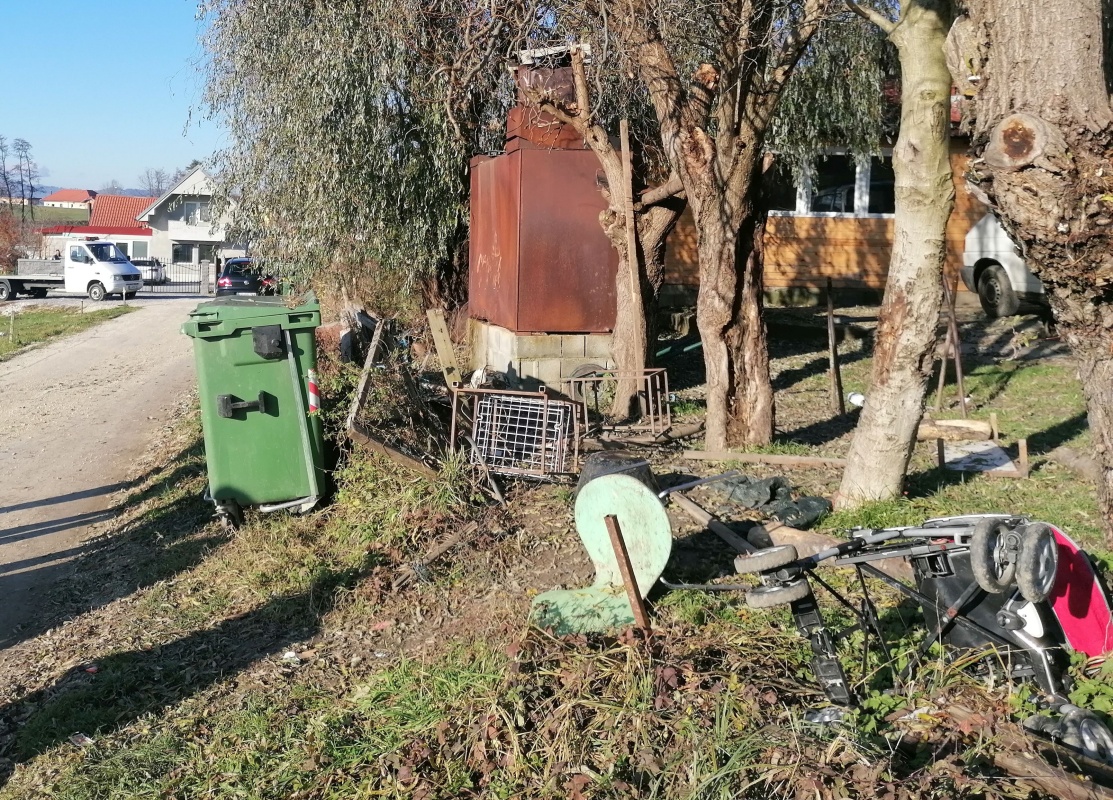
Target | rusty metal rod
(637,605)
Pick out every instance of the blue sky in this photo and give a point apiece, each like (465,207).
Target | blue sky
(136,62)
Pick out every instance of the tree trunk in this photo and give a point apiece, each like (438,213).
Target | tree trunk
(747,339)
(906,331)
(1043,128)
(634,334)
(729,308)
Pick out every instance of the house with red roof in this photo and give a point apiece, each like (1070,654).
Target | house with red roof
(113,217)
(186,228)
(119,210)
(70,198)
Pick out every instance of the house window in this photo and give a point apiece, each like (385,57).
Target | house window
(881,182)
(837,184)
(138,249)
(183,253)
(833,181)
(207,252)
(780,187)
(123,247)
(196,212)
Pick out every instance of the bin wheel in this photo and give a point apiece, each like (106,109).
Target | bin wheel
(779,595)
(765,560)
(230,515)
(1038,563)
(992,559)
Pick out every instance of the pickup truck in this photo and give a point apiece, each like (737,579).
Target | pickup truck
(95,268)
(992,267)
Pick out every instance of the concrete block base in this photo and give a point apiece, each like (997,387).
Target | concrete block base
(531,360)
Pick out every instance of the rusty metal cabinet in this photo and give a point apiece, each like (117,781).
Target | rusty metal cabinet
(540,262)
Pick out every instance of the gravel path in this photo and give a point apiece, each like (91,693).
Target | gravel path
(74,416)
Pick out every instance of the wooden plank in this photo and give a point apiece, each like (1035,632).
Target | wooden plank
(443,342)
(360,396)
(954,430)
(765,458)
(359,435)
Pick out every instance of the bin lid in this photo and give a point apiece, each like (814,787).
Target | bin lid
(226,315)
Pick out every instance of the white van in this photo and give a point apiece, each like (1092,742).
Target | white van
(92,267)
(992,267)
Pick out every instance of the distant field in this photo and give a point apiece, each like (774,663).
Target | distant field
(55,216)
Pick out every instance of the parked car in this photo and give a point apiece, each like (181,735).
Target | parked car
(151,269)
(241,276)
(992,267)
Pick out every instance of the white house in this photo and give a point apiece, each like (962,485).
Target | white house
(183,229)
(70,198)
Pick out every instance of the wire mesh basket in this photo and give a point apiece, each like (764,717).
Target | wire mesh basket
(520,433)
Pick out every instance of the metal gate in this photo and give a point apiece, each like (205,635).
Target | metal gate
(175,278)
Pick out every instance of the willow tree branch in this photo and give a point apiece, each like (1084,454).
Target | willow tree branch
(673,187)
(876,17)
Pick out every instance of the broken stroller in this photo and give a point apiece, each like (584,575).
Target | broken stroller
(1017,587)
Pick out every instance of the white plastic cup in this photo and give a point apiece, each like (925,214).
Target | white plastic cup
(856,399)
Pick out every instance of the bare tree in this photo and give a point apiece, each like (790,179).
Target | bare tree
(906,331)
(713,128)
(112,187)
(26,173)
(5,170)
(1042,136)
(154,182)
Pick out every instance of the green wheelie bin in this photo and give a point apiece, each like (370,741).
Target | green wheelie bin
(255,374)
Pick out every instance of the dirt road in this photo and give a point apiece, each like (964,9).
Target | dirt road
(74,415)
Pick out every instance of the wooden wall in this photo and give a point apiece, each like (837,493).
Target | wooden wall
(803,252)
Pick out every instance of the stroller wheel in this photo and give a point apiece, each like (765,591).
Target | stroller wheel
(993,555)
(781,595)
(1097,742)
(1039,559)
(765,560)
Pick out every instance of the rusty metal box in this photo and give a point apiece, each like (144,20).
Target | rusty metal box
(539,260)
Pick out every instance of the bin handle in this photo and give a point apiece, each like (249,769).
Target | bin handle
(226,406)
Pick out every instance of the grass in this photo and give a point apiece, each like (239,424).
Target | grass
(1040,402)
(42,324)
(45,215)
(193,697)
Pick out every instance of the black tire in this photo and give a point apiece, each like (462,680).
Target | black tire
(765,560)
(97,292)
(582,371)
(130,295)
(38,294)
(6,292)
(991,569)
(778,595)
(996,293)
(1038,561)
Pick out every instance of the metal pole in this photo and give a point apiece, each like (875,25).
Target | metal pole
(838,404)
(637,605)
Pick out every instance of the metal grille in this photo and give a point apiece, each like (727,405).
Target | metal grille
(595,391)
(521,433)
(175,278)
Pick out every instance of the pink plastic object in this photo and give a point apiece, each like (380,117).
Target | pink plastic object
(1079,602)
